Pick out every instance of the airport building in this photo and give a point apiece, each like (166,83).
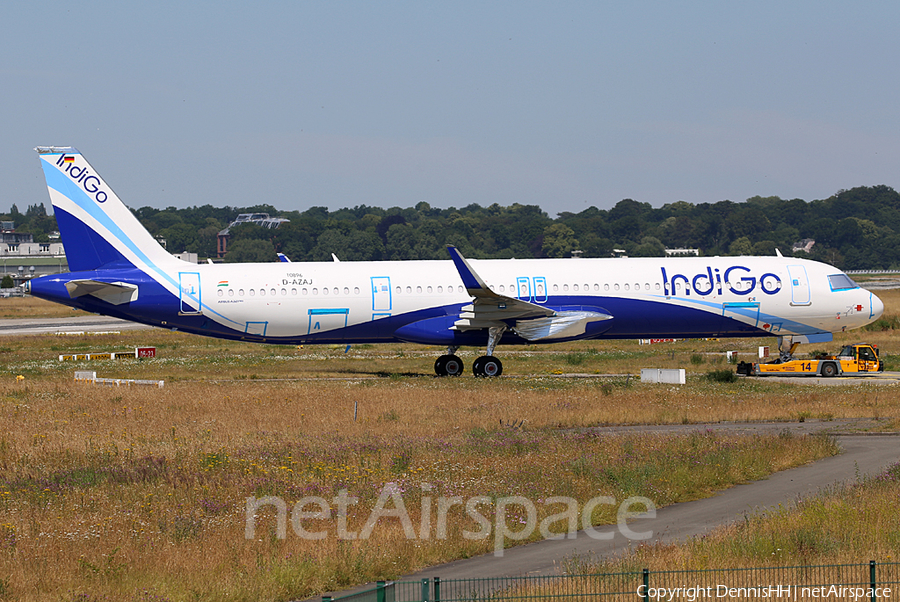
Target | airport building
(22,258)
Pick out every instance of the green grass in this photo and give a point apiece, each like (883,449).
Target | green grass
(849,524)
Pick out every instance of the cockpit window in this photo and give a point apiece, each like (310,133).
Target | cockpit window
(841,282)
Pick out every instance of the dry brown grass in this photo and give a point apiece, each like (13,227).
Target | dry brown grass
(32,307)
(126,490)
(111,492)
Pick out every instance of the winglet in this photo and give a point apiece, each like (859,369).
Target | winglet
(471,280)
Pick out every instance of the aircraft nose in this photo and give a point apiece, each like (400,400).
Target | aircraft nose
(877,307)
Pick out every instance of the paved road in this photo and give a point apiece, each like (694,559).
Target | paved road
(863,454)
(22,326)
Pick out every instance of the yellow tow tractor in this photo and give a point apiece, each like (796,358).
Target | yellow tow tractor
(853,360)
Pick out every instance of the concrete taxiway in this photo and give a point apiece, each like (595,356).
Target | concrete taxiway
(22,326)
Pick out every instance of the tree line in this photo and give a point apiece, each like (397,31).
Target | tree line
(853,229)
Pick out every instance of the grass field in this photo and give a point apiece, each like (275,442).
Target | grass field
(850,524)
(31,307)
(139,493)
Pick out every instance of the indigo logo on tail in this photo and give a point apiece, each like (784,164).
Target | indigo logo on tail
(88,181)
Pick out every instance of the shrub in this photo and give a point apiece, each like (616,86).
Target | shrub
(721,376)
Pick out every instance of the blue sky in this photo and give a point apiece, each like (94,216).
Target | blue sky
(561,105)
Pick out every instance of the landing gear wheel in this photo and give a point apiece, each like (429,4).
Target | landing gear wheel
(829,370)
(487,365)
(448,365)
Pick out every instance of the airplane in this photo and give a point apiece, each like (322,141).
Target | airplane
(118,269)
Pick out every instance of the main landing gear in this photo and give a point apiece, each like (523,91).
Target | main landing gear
(486,365)
(449,364)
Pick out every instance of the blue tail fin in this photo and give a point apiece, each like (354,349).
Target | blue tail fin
(97,229)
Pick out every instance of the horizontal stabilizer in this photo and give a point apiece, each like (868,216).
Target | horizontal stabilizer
(563,325)
(114,293)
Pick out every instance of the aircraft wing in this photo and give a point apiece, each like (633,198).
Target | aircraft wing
(115,293)
(532,322)
(489,309)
